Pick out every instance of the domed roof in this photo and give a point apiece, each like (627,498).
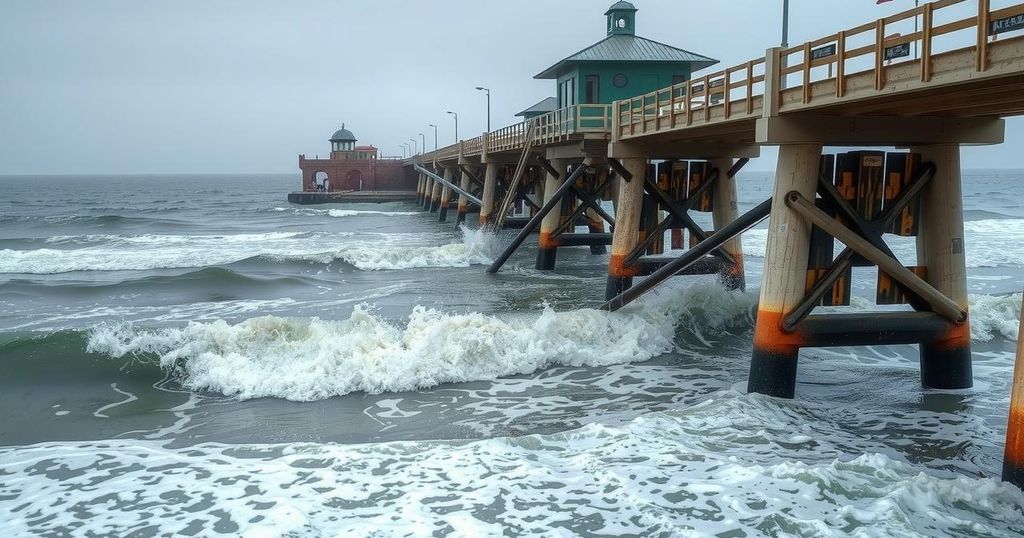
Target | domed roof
(343,135)
(621,6)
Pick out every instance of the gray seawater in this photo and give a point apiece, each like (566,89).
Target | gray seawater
(191,355)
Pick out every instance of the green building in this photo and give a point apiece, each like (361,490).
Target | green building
(622,65)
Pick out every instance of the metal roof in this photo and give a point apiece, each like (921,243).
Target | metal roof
(547,105)
(343,135)
(630,48)
(621,6)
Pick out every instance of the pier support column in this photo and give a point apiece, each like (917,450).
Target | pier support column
(547,243)
(628,210)
(724,210)
(595,225)
(461,215)
(428,187)
(446,193)
(435,196)
(945,363)
(1013,454)
(419,188)
(487,215)
(774,359)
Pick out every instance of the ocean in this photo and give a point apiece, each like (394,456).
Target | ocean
(191,355)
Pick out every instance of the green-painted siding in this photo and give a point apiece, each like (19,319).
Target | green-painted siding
(641,78)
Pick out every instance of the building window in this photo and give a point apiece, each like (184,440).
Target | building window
(591,92)
(620,80)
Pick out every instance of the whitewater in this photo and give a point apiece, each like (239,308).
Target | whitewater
(171,364)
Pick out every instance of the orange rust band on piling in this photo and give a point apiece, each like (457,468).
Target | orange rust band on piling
(1013,455)
(773,363)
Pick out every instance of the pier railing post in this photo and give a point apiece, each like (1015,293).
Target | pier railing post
(724,210)
(1013,454)
(627,226)
(490,188)
(547,245)
(446,194)
(773,363)
(946,363)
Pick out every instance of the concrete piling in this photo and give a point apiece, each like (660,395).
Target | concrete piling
(487,216)
(627,226)
(945,363)
(724,210)
(463,201)
(1013,454)
(547,245)
(773,364)
(446,193)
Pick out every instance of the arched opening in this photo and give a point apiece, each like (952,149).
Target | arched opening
(321,183)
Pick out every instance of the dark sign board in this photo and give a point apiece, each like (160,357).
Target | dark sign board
(1006,24)
(897,51)
(717,83)
(823,52)
(697,88)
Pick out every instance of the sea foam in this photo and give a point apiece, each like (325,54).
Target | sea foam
(310,359)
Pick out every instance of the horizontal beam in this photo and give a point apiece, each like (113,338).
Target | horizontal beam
(872,328)
(680,149)
(878,130)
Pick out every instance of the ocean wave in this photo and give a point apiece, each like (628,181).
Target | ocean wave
(344,212)
(734,465)
(310,359)
(988,243)
(103,252)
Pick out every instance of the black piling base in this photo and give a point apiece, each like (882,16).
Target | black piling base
(616,285)
(773,373)
(460,218)
(546,258)
(442,214)
(946,367)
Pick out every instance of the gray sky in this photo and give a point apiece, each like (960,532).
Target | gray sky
(146,86)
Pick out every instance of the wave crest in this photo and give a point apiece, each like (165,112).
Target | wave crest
(300,359)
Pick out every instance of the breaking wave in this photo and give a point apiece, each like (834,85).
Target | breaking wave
(311,359)
(345,212)
(117,252)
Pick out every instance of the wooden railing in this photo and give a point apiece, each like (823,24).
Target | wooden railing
(794,76)
(693,101)
(508,138)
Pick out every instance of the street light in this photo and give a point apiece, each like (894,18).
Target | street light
(415,150)
(405,150)
(435,135)
(488,90)
(423,142)
(785,23)
(456,124)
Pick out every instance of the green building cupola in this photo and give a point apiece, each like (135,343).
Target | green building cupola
(621,19)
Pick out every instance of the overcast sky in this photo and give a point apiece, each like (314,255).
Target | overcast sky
(191,86)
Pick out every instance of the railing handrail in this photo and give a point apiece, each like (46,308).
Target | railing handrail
(694,99)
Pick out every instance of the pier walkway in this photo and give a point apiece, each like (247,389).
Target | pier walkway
(664,154)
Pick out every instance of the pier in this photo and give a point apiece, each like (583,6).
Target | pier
(663,154)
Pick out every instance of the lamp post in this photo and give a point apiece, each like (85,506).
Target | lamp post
(415,149)
(423,142)
(435,135)
(405,150)
(488,90)
(785,23)
(456,116)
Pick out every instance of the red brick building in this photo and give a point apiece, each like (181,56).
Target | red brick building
(354,168)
